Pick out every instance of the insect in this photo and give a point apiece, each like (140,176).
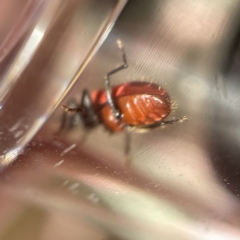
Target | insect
(134,106)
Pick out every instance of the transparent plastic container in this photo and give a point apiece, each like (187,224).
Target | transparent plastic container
(46,49)
(180,182)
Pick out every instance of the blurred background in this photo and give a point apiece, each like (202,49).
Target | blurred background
(180,182)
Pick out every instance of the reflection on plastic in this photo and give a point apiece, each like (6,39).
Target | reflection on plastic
(40,75)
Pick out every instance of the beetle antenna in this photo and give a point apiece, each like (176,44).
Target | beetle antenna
(73,110)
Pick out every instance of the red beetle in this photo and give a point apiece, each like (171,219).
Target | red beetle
(134,106)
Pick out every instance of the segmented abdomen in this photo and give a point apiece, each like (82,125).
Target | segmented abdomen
(139,104)
(142,109)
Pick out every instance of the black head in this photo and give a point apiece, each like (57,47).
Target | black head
(86,111)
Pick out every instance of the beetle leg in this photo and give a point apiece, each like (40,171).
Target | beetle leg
(107,81)
(146,128)
(127,142)
(174,120)
(85,112)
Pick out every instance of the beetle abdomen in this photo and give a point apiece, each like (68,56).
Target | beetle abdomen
(143,109)
(136,110)
(139,104)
